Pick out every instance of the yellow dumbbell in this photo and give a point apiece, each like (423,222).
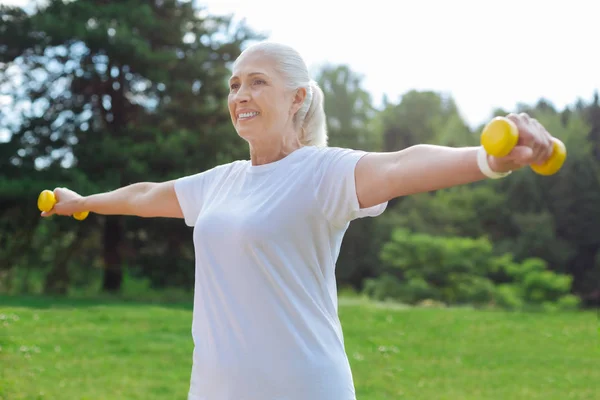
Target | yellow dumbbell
(47,200)
(500,136)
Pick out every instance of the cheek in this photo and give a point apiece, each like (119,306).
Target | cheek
(269,103)
(258,95)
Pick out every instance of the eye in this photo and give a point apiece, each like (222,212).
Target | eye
(259,81)
(234,86)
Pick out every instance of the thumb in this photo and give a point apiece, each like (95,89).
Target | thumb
(47,213)
(57,193)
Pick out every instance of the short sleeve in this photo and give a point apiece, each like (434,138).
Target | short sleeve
(190,191)
(194,191)
(336,187)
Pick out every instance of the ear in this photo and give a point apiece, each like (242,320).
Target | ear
(297,100)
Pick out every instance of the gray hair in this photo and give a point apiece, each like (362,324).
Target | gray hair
(310,119)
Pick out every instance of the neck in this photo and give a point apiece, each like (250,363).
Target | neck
(270,151)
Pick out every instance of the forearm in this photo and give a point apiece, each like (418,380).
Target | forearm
(122,201)
(426,167)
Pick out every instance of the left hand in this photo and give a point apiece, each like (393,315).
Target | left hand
(534,145)
(67,203)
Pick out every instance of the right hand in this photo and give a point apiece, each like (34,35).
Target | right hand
(67,203)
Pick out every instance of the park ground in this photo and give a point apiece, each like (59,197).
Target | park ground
(82,349)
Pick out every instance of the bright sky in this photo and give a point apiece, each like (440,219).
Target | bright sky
(486,54)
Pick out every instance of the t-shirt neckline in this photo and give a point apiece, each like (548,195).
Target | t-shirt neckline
(254,169)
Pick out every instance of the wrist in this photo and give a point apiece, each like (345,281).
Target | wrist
(497,166)
(82,203)
(489,167)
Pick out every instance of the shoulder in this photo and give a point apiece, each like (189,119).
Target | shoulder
(329,151)
(330,159)
(229,168)
(219,172)
(225,169)
(334,166)
(333,154)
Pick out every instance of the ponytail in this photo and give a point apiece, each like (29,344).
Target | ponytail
(311,118)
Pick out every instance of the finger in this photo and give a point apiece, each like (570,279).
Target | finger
(524,116)
(47,213)
(520,155)
(528,128)
(534,135)
(538,147)
(59,208)
(523,127)
(550,149)
(542,136)
(549,144)
(545,141)
(517,119)
(56,192)
(547,153)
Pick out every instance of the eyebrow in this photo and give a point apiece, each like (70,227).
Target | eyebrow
(250,74)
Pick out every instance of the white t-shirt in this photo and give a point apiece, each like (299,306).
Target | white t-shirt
(265,323)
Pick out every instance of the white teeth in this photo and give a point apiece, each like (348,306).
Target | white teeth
(248,115)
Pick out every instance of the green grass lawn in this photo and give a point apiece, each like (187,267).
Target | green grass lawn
(67,349)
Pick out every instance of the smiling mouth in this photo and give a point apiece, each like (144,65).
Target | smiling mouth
(247,116)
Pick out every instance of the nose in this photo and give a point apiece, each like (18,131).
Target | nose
(242,95)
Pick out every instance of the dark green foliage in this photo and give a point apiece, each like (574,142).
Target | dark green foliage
(553,218)
(104,94)
(122,92)
(459,270)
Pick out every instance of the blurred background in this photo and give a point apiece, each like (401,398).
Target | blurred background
(96,95)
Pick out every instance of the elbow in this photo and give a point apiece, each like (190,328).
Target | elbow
(140,203)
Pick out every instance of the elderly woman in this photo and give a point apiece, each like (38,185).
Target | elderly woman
(267,231)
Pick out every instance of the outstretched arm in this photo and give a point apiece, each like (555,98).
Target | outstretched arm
(422,168)
(381,177)
(143,199)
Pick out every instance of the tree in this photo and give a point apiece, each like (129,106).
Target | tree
(422,117)
(592,116)
(119,92)
(552,218)
(349,109)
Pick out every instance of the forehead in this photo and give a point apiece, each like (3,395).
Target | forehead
(252,63)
